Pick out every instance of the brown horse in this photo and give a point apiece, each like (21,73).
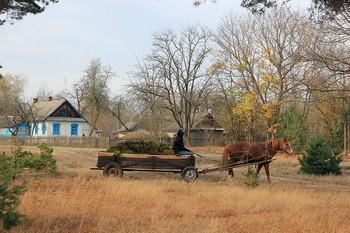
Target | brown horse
(243,151)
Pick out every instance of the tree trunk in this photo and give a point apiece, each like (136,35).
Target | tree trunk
(93,126)
(346,127)
(348,140)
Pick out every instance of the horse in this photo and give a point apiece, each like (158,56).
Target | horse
(243,151)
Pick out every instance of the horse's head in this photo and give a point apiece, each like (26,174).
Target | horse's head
(285,146)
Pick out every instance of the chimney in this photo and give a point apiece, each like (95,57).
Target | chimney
(35,100)
(49,98)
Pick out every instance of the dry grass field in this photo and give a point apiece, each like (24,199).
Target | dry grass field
(80,200)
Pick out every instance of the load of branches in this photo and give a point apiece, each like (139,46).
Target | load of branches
(141,147)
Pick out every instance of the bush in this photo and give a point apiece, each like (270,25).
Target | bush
(142,147)
(319,158)
(36,162)
(9,193)
(10,166)
(253,177)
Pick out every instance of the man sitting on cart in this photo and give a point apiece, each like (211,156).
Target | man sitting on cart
(178,146)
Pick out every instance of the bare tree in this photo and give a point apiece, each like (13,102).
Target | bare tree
(24,112)
(95,90)
(173,76)
(11,90)
(78,95)
(327,45)
(43,92)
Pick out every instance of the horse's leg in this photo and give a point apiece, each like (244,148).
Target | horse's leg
(230,173)
(259,168)
(267,171)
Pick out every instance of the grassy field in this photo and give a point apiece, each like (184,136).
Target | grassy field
(81,200)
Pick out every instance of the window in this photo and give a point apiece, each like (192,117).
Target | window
(74,130)
(22,131)
(36,130)
(44,129)
(56,129)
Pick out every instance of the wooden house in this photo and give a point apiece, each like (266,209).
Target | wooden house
(53,118)
(207,132)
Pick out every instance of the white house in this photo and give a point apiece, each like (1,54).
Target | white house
(59,118)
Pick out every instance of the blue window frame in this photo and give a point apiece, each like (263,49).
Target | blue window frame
(74,130)
(36,129)
(44,129)
(56,129)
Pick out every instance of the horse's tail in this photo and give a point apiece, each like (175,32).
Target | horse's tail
(224,157)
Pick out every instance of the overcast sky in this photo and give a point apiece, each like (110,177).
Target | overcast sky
(52,49)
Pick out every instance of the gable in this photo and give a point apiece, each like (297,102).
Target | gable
(208,122)
(66,110)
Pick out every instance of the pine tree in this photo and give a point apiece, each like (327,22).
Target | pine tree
(293,126)
(336,139)
(9,194)
(319,158)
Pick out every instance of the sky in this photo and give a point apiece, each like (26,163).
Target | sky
(52,49)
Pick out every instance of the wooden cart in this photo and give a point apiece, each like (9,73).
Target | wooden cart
(185,164)
(115,165)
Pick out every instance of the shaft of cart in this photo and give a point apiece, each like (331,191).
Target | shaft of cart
(209,170)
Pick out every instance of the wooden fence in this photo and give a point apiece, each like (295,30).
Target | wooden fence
(97,142)
(93,142)
(170,141)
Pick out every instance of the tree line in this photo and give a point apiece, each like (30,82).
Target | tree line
(250,72)
(246,72)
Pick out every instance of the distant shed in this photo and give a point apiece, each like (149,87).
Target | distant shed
(207,133)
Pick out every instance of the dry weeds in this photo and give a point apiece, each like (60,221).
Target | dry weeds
(80,200)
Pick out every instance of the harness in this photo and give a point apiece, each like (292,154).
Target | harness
(250,155)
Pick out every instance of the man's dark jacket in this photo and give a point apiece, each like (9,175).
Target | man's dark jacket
(179,142)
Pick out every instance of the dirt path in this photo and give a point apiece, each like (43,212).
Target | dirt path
(285,170)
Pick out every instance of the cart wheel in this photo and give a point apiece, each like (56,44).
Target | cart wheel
(190,173)
(113,169)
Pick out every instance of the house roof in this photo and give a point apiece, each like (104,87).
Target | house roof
(45,108)
(9,121)
(4,122)
(171,127)
(131,125)
(208,122)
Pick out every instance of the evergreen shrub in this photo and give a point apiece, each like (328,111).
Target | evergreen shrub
(10,166)
(319,158)
(9,193)
(252,176)
(36,162)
